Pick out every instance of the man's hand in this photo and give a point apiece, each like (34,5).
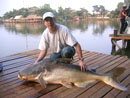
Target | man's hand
(83,66)
(28,65)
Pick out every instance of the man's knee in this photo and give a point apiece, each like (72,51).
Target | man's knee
(68,52)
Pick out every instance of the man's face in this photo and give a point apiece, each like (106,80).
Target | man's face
(49,22)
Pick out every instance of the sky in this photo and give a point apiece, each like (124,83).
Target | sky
(9,5)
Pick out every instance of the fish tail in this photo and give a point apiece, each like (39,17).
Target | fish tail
(111,78)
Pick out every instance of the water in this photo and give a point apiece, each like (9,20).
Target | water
(92,36)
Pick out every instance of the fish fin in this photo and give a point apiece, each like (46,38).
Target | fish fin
(83,84)
(117,72)
(67,84)
(41,80)
(114,84)
(112,76)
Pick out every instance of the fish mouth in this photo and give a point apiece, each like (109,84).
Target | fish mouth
(21,76)
(24,77)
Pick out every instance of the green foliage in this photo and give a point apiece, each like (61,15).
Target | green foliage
(22,11)
(116,13)
(44,9)
(99,9)
(64,14)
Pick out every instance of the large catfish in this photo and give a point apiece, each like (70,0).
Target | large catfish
(69,75)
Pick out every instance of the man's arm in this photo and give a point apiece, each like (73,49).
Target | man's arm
(79,52)
(124,14)
(41,56)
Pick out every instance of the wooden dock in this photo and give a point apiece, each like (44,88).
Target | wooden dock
(12,87)
(124,37)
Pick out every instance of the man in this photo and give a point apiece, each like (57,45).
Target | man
(59,40)
(122,19)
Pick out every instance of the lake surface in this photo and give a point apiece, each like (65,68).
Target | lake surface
(92,36)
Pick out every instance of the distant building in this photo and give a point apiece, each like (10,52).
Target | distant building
(18,17)
(33,18)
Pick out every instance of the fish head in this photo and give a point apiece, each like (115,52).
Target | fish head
(26,75)
(29,73)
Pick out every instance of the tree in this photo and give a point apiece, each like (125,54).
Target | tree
(102,10)
(96,8)
(84,12)
(61,15)
(99,9)
(44,9)
(68,13)
(127,2)
(116,13)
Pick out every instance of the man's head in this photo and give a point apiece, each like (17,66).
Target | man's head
(49,21)
(48,15)
(124,5)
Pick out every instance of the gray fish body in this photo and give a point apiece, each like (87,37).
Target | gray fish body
(69,75)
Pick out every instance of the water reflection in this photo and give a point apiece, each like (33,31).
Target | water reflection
(92,35)
(36,28)
(31,28)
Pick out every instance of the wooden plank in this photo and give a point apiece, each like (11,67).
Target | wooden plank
(53,94)
(113,64)
(30,52)
(94,58)
(79,91)
(3,59)
(104,61)
(19,55)
(15,69)
(120,37)
(36,93)
(116,44)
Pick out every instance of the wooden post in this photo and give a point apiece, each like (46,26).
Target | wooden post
(123,43)
(128,44)
(115,32)
(114,44)
(113,47)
